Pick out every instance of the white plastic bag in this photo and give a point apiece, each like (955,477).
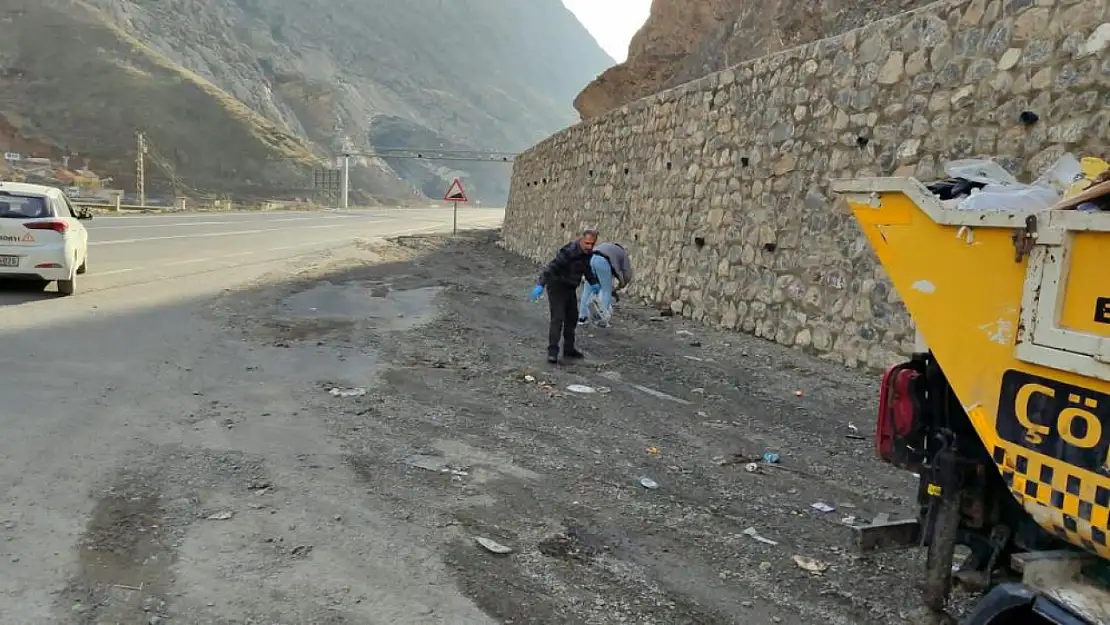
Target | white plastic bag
(986,171)
(1019,197)
(1065,172)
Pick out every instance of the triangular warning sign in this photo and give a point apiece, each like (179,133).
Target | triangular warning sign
(455,192)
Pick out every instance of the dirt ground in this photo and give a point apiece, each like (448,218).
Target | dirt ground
(467,433)
(328,444)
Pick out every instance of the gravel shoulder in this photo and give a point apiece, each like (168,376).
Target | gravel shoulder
(465,432)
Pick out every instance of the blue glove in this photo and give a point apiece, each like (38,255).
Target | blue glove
(595,288)
(536,293)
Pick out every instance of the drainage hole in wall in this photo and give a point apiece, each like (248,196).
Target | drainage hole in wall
(700,242)
(626,171)
(668,165)
(562,224)
(744,161)
(590,173)
(770,247)
(545,180)
(862,141)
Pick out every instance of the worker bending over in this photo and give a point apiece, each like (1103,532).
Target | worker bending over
(561,278)
(609,261)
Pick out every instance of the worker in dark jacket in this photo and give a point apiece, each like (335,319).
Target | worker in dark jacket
(561,278)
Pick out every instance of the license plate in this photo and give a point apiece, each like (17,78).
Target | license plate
(9,261)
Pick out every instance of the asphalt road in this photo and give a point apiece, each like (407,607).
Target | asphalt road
(110,421)
(127,249)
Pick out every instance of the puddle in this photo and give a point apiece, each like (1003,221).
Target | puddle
(356,301)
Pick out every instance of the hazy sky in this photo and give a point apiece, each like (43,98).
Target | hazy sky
(611,22)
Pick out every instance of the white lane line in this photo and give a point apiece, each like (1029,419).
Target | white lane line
(329,244)
(220,223)
(188,261)
(177,236)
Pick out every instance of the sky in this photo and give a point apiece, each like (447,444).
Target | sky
(611,22)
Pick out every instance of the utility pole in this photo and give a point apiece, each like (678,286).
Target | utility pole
(346,181)
(140,169)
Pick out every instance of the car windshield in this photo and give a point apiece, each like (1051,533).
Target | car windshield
(23,206)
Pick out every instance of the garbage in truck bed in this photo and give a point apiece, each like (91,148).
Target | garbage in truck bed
(984,185)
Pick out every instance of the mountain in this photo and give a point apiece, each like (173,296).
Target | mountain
(244,96)
(683,40)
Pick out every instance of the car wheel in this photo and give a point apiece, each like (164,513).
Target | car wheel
(84,266)
(67,287)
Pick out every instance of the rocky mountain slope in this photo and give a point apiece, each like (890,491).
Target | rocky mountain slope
(243,95)
(684,40)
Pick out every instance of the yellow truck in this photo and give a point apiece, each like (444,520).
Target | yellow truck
(1004,412)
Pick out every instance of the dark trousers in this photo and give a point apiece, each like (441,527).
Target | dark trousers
(563,300)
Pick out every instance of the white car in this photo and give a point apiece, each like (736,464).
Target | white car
(42,238)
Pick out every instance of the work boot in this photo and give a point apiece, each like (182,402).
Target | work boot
(553,355)
(572,353)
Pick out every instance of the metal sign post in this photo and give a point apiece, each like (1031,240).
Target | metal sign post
(455,219)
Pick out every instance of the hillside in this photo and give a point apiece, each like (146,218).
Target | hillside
(243,95)
(683,40)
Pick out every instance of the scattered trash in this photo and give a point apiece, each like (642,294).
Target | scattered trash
(434,464)
(821,506)
(615,376)
(816,567)
(852,428)
(684,333)
(648,483)
(604,390)
(737,458)
(347,392)
(301,550)
(221,516)
(798,393)
(581,388)
(698,391)
(754,535)
(694,358)
(493,546)
(695,343)
(771,458)
(848,520)
(653,451)
(529,378)
(751,467)
(660,394)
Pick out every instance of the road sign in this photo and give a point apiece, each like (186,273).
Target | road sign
(455,192)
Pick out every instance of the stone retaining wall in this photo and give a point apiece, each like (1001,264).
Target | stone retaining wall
(720,187)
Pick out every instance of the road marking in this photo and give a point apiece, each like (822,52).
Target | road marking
(187,261)
(326,245)
(219,223)
(97,274)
